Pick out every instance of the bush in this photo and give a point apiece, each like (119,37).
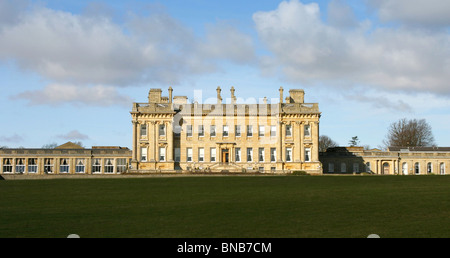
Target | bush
(300,173)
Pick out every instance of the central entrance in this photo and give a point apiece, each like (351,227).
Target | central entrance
(225,155)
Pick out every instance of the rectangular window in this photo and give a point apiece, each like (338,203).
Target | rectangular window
(143,130)
(143,154)
(201,154)
(48,165)
(261,131)
(273,169)
(7,166)
(273,130)
(212,131)
(225,130)
(32,165)
(331,167)
(307,155)
(201,131)
(288,131)
(307,130)
(238,130)
(238,155)
(189,155)
(249,154)
(261,154)
(109,166)
(79,166)
(96,166)
(64,166)
(273,154)
(162,154)
(162,130)
(288,154)
(189,130)
(355,167)
(20,165)
(249,130)
(213,154)
(121,165)
(177,154)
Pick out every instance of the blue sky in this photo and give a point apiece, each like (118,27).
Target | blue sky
(72,69)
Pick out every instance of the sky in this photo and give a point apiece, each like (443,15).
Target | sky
(71,70)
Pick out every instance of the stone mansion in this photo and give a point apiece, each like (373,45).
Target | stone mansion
(171,135)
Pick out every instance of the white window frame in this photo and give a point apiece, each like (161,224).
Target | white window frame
(225,131)
(442,168)
(307,130)
(20,165)
(237,129)
(212,131)
(162,154)
(249,130)
(212,156)
(273,131)
(249,154)
(144,154)
(288,154)
(288,131)
(80,166)
(261,131)
(308,155)
(189,130)
(417,168)
(201,154)
(121,165)
(261,154)
(201,131)
(405,168)
(273,154)
(7,165)
(64,165)
(32,165)
(429,167)
(96,166)
(49,164)
(237,154)
(143,130)
(162,130)
(109,166)
(189,155)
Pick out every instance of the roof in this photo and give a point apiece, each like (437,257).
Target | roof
(69,145)
(418,149)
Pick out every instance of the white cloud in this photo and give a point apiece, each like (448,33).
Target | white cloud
(435,13)
(307,50)
(73,135)
(57,94)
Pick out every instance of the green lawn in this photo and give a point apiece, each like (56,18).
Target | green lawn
(211,207)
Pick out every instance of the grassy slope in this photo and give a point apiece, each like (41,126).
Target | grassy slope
(327,206)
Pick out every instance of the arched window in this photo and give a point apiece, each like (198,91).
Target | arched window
(405,168)
(429,168)
(442,169)
(343,167)
(417,168)
(386,168)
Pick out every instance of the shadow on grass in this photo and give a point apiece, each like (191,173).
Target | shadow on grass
(1,178)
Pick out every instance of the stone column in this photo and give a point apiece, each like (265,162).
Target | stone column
(297,139)
(135,141)
(302,141)
(170,149)
(315,140)
(153,140)
(280,142)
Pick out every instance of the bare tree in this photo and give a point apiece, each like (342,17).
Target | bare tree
(326,142)
(410,133)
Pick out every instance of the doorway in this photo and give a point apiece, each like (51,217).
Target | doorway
(225,155)
(386,168)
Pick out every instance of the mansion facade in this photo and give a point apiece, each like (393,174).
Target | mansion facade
(171,135)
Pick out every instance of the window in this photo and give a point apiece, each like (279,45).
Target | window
(225,130)
(308,155)
(64,166)
(201,131)
(442,169)
(162,154)
(96,166)
(429,168)
(20,165)
(7,166)
(261,169)
(249,130)
(288,130)
(417,168)
(213,154)
(355,167)
(249,154)
(238,130)
(121,165)
(143,154)
(331,167)
(307,130)
(162,130)
(238,154)
(177,154)
(261,131)
(405,168)
(201,154)
(288,154)
(48,165)
(273,130)
(261,154)
(189,155)
(109,166)
(143,130)
(79,166)
(32,165)
(343,168)
(189,130)
(273,154)
(273,169)
(212,130)
(368,169)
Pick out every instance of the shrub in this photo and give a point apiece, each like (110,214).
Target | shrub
(300,173)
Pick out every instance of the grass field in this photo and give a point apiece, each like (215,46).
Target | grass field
(228,207)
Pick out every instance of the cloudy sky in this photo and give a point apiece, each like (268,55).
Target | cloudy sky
(70,70)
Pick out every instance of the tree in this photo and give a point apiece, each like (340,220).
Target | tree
(410,133)
(50,146)
(326,142)
(354,141)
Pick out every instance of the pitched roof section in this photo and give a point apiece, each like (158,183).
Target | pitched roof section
(69,145)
